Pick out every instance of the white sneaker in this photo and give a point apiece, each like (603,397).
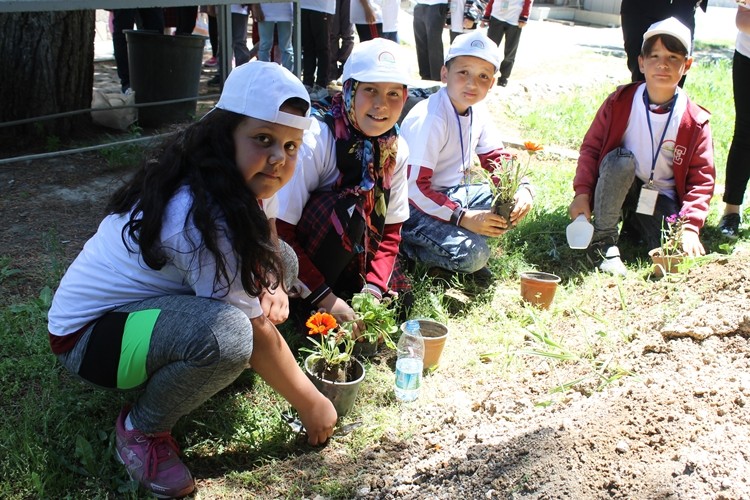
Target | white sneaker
(612,263)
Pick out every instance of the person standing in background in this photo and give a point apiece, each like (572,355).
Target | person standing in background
(464,16)
(315,26)
(367,16)
(340,38)
(240,17)
(637,15)
(276,16)
(391,8)
(429,21)
(124,19)
(738,161)
(507,18)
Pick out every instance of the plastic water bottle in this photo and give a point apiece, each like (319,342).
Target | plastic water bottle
(409,363)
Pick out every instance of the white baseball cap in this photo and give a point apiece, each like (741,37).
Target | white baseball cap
(475,44)
(258,89)
(670,26)
(376,61)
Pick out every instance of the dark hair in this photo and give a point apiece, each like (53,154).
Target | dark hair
(202,157)
(671,43)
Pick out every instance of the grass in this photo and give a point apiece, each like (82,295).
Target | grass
(56,433)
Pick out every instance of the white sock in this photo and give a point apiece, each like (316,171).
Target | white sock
(128,423)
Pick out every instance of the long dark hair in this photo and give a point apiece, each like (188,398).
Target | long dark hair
(202,157)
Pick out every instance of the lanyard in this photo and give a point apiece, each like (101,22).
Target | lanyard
(651,133)
(464,168)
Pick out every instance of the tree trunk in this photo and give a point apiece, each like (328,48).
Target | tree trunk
(46,67)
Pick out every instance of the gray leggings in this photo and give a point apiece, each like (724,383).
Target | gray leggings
(197,347)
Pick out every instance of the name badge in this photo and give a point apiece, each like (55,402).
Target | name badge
(647,200)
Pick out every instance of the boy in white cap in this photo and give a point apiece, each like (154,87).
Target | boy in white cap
(450,219)
(343,209)
(648,155)
(164,298)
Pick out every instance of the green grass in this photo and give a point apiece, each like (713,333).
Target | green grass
(56,432)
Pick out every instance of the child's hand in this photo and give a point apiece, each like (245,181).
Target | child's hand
(524,202)
(342,312)
(580,205)
(318,420)
(275,305)
(691,244)
(484,222)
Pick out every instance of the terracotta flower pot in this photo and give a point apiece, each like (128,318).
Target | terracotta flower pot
(664,264)
(539,288)
(341,394)
(434,335)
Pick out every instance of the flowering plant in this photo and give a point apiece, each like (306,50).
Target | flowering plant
(334,349)
(508,174)
(672,229)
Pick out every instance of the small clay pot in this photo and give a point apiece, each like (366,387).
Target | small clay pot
(434,335)
(365,349)
(539,288)
(341,394)
(664,264)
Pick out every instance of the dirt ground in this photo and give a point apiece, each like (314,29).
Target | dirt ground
(678,428)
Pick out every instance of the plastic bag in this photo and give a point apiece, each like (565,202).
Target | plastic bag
(119,119)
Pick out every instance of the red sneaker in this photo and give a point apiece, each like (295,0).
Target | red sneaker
(152,460)
(211,63)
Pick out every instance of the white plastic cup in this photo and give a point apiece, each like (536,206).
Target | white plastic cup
(579,233)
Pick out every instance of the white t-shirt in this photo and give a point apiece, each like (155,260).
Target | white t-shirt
(277,12)
(507,10)
(105,275)
(742,44)
(327,6)
(316,171)
(437,141)
(643,144)
(238,8)
(357,12)
(391,9)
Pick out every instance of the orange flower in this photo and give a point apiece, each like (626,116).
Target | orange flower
(532,147)
(320,323)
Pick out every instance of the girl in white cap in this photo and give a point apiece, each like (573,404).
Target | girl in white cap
(342,212)
(165,296)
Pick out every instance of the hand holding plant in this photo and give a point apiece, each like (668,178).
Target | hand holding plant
(506,178)
(672,231)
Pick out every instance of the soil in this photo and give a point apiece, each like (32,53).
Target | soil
(674,425)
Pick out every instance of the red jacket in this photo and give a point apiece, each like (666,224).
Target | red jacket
(694,171)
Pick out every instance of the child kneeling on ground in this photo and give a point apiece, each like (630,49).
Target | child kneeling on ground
(450,219)
(164,297)
(343,209)
(647,154)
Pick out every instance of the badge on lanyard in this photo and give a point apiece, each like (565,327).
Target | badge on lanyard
(647,199)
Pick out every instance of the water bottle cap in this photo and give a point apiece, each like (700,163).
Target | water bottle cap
(412,325)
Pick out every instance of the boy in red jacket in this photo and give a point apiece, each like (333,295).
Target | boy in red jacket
(647,154)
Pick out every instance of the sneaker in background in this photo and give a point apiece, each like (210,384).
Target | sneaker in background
(152,460)
(730,225)
(211,63)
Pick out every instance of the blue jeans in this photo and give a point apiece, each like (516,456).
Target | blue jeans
(265,32)
(438,243)
(616,196)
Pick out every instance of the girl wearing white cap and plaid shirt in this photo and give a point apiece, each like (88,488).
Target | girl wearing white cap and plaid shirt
(342,212)
(169,295)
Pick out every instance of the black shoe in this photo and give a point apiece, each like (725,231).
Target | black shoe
(481,278)
(502,82)
(730,226)
(215,81)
